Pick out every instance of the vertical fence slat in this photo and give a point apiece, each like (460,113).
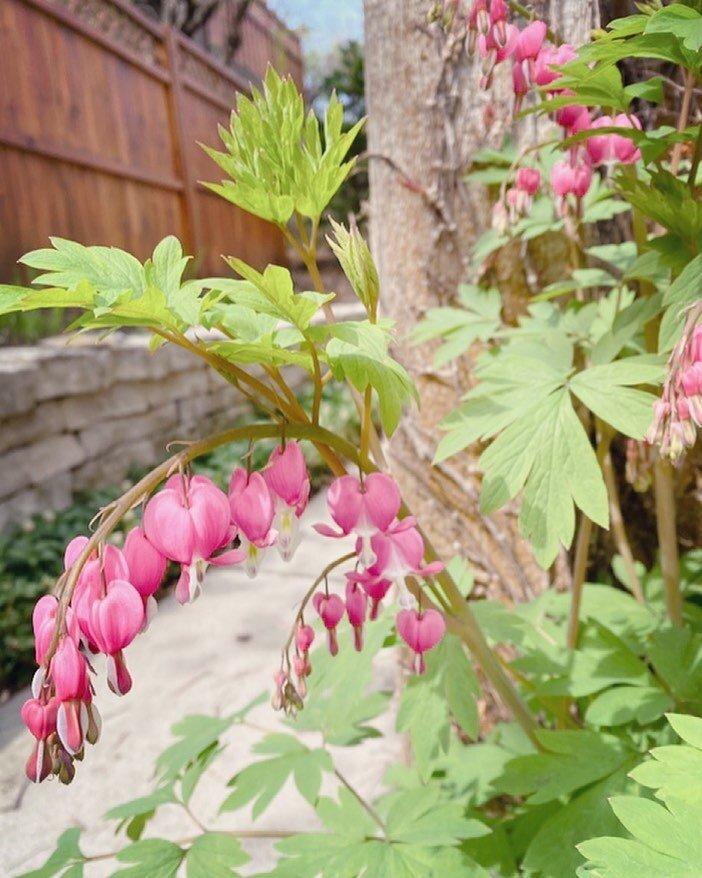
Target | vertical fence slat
(179,134)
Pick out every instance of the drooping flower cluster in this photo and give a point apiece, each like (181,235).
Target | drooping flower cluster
(387,550)
(535,66)
(191,523)
(678,413)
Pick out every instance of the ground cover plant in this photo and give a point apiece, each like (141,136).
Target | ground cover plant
(588,762)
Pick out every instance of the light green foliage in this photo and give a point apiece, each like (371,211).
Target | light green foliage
(357,263)
(664,837)
(66,861)
(459,328)
(684,291)
(279,161)
(261,782)
(524,399)
(342,704)
(359,352)
(430,703)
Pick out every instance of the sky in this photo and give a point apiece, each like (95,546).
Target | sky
(324,22)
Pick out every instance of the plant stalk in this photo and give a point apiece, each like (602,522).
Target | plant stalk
(619,528)
(582,548)
(664,486)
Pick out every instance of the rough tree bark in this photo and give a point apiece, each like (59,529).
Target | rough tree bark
(426,119)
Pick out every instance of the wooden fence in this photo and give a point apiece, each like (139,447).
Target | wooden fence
(101,110)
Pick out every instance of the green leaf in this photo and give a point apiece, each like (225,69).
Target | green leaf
(689,728)
(419,817)
(552,853)
(135,814)
(361,356)
(165,271)
(676,655)
(265,352)
(66,861)
(357,263)
(570,760)
(546,452)
(423,715)
(110,271)
(274,155)
(13,299)
(272,293)
(622,705)
(343,701)
(196,733)
(461,686)
(622,858)
(682,22)
(261,782)
(606,391)
(459,328)
(684,290)
(214,855)
(666,840)
(153,857)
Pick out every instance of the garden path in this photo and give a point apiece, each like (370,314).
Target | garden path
(212,657)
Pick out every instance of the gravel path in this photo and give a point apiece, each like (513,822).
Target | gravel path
(212,658)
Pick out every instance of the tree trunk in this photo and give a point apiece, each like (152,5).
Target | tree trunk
(427,117)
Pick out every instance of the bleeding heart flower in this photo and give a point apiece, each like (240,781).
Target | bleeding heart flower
(98,572)
(400,553)
(607,149)
(529,180)
(289,483)
(40,716)
(331,610)
(68,672)
(40,719)
(44,624)
(375,586)
(252,512)
(568,178)
(115,620)
(362,509)
(356,607)
(188,521)
(147,566)
(304,638)
(421,631)
(550,57)
(529,42)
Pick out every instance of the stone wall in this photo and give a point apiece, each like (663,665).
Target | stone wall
(81,414)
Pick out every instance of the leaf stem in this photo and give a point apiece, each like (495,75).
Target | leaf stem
(619,528)
(682,120)
(582,548)
(664,486)
(310,592)
(364,804)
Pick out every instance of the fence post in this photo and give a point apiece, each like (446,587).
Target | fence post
(179,138)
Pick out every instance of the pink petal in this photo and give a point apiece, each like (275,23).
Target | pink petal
(210,515)
(116,619)
(147,565)
(68,671)
(73,550)
(345,502)
(287,477)
(431,629)
(326,531)
(252,508)
(381,501)
(168,526)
